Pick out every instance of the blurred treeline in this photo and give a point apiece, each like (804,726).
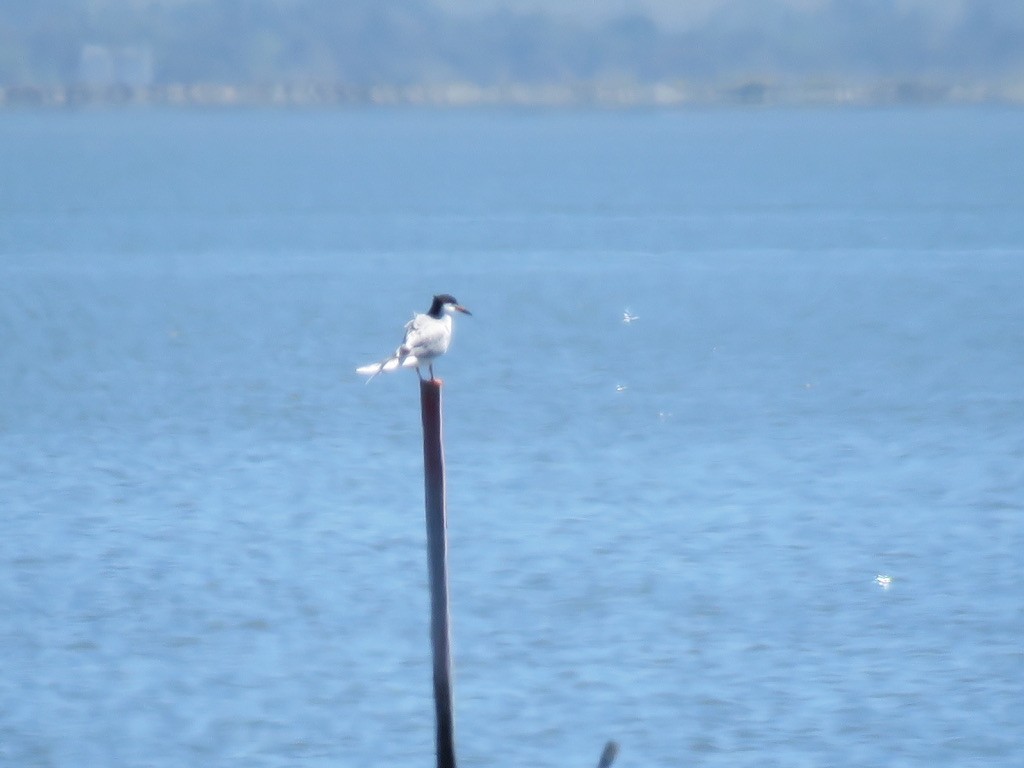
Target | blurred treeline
(368,42)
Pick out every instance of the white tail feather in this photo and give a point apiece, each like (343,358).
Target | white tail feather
(391,364)
(370,370)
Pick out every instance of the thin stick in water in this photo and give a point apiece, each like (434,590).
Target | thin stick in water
(611,749)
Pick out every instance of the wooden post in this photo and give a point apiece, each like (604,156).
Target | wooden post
(437,568)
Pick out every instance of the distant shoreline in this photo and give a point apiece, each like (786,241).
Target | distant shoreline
(752,92)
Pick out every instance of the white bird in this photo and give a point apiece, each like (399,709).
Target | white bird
(628,317)
(427,336)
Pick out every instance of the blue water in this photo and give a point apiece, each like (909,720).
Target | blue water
(665,532)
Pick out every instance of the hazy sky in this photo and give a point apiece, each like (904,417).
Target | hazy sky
(669,12)
(680,14)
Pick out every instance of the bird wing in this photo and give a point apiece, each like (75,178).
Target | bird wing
(424,336)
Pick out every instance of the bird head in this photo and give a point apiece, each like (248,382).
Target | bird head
(446,303)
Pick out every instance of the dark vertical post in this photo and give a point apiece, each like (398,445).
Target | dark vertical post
(437,567)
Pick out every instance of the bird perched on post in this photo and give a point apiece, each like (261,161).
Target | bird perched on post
(427,336)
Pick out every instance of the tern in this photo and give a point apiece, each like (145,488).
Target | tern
(427,336)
